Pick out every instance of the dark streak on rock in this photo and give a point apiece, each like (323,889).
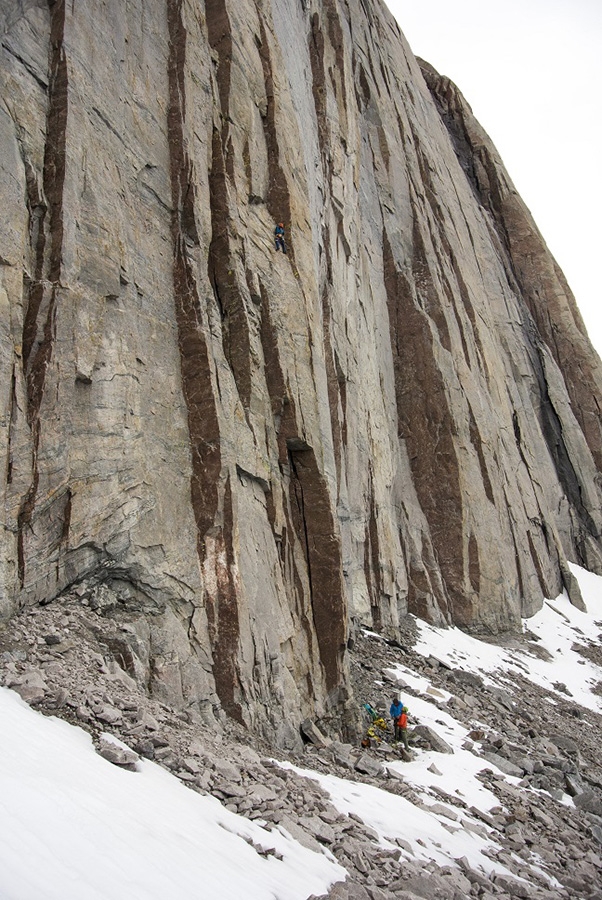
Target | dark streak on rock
(362,88)
(546,589)
(333,393)
(426,289)
(282,405)
(331,375)
(311,515)
(203,425)
(64,506)
(26,510)
(42,291)
(37,328)
(220,39)
(425,583)
(467,303)
(223,270)
(477,443)
(318,87)
(317,533)
(443,251)
(224,619)
(337,41)
(13,412)
(425,424)
(519,573)
(278,198)
(317,62)
(383,146)
(224,278)
(67,516)
(341,378)
(372,566)
(474,569)
(284,415)
(539,281)
(552,428)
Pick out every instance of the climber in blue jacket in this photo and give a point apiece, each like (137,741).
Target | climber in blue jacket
(395,712)
(279,237)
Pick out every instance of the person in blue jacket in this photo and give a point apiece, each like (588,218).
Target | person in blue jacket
(279,237)
(395,712)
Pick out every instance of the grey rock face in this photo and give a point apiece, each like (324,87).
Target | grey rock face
(504,764)
(313,734)
(425,734)
(227,452)
(119,756)
(589,801)
(30,685)
(368,765)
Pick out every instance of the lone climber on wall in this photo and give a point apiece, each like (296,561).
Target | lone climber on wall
(279,237)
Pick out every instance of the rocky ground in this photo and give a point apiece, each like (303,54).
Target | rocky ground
(68,659)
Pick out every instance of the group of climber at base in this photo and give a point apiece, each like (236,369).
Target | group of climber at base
(378,728)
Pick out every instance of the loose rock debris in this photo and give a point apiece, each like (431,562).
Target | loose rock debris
(534,755)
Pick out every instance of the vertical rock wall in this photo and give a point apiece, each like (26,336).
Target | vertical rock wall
(233,451)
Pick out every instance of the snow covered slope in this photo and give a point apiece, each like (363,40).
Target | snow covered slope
(75,827)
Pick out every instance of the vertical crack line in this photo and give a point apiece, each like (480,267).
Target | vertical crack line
(11,426)
(225,616)
(26,510)
(424,423)
(300,498)
(48,249)
(278,199)
(224,278)
(219,32)
(372,559)
(227,286)
(316,530)
(42,292)
(203,424)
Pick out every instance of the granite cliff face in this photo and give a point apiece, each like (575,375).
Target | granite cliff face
(236,453)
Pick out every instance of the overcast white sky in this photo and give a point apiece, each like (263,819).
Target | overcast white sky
(532,72)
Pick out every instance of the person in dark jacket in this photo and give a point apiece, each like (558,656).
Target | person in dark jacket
(279,237)
(395,712)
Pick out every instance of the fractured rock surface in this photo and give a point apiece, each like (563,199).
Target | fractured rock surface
(236,452)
